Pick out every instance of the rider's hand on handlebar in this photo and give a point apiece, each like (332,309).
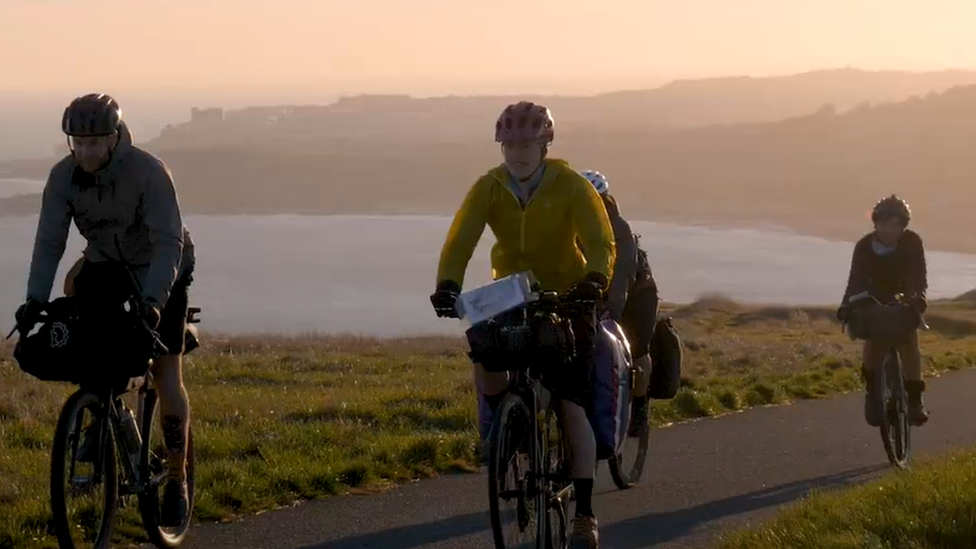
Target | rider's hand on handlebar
(844,313)
(150,313)
(28,313)
(444,299)
(589,289)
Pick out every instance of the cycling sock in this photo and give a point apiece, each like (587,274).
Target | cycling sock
(584,496)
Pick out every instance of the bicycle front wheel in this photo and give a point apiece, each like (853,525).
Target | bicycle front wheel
(556,489)
(154,474)
(893,404)
(84,481)
(512,490)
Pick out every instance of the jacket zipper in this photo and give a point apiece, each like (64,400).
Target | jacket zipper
(522,210)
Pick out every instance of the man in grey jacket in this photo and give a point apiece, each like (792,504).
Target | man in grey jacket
(632,300)
(123,202)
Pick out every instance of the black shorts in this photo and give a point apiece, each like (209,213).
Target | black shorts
(98,281)
(172,319)
(639,319)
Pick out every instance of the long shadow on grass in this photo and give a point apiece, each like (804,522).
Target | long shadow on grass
(629,534)
(655,528)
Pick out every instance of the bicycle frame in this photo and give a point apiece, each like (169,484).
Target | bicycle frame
(530,390)
(891,399)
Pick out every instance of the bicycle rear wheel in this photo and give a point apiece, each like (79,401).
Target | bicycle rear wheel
(627,465)
(153,474)
(90,475)
(511,487)
(893,404)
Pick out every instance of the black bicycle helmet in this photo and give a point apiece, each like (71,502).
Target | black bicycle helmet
(91,115)
(891,206)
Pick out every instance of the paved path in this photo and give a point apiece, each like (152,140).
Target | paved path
(703,478)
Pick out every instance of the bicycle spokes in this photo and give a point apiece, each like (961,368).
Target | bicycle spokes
(83,476)
(895,428)
(517,505)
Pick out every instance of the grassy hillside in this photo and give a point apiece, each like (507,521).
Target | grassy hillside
(284,419)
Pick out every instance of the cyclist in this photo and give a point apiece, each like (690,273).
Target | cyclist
(633,298)
(123,202)
(537,208)
(888,261)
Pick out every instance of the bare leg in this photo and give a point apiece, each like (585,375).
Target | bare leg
(582,455)
(582,442)
(174,411)
(489,383)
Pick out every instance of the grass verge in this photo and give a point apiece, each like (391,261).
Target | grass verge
(279,420)
(931,507)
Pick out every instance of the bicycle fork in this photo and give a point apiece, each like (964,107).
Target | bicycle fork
(128,459)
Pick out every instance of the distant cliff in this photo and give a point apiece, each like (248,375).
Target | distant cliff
(818,172)
(23,204)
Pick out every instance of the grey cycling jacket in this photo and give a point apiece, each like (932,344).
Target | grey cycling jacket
(129,212)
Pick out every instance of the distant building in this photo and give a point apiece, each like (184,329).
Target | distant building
(213,115)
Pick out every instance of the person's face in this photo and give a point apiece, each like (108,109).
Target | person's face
(889,230)
(93,152)
(522,158)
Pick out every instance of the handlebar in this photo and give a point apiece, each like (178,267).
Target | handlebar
(42,310)
(899,300)
(539,301)
(45,309)
(557,302)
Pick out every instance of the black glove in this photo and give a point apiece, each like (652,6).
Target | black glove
(590,289)
(149,311)
(844,314)
(444,299)
(28,313)
(920,304)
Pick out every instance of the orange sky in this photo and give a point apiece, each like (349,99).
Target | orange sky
(464,46)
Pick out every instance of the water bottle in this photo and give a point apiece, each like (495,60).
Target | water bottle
(133,440)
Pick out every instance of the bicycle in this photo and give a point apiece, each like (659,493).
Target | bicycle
(122,455)
(627,476)
(526,342)
(891,399)
(525,448)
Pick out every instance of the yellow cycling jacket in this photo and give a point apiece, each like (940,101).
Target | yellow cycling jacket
(542,238)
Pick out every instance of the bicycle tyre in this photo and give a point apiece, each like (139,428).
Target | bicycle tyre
(511,409)
(892,404)
(160,536)
(555,477)
(625,475)
(60,520)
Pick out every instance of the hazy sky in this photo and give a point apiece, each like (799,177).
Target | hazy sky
(442,46)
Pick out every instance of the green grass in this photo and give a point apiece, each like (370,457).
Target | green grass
(279,420)
(931,507)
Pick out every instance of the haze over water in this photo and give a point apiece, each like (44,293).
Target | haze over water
(373,274)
